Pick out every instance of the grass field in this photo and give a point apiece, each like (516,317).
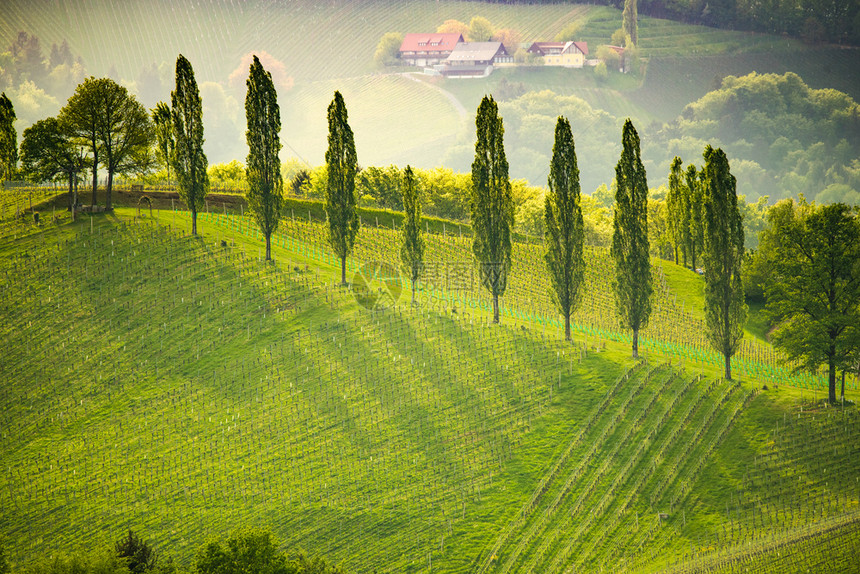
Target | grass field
(183,388)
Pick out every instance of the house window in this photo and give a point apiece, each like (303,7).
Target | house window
(422,43)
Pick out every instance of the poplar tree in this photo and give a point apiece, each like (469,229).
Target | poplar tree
(189,161)
(632,284)
(8,139)
(412,249)
(694,228)
(492,203)
(265,185)
(340,201)
(565,230)
(725,309)
(629,23)
(164,139)
(675,207)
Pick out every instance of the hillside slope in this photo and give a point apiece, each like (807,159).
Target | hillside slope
(180,387)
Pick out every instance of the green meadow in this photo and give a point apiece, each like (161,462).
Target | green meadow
(181,387)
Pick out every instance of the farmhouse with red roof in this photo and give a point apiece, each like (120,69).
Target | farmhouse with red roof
(428,49)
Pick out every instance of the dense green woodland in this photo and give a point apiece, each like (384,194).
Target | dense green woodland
(835,21)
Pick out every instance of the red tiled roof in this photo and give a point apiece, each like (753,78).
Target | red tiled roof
(430,42)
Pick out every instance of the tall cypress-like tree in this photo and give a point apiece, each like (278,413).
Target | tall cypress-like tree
(632,284)
(340,201)
(694,227)
(629,21)
(164,140)
(412,249)
(492,203)
(265,185)
(725,309)
(675,207)
(189,161)
(8,139)
(565,230)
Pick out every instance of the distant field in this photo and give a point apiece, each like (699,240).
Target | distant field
(420,123)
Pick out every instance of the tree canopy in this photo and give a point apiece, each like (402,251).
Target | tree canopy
(812,284)
(342,165)
(8,138)
(565,230)
(630,248)
(492,203)
(188,159)
(265,185)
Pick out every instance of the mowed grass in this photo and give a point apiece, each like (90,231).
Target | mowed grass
(183,388)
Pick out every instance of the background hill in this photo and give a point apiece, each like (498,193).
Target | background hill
(315,48)
(182,388)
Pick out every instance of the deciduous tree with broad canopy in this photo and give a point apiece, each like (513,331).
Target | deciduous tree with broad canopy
(49,152)
(812,284)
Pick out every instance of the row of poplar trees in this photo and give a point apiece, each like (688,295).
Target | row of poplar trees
(721,231)
(492,218)
(179,142)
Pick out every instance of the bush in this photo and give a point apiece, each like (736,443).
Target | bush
(139,554)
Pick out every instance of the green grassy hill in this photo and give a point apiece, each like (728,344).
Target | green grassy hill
(181,387)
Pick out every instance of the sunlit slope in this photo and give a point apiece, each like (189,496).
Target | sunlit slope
(182,388)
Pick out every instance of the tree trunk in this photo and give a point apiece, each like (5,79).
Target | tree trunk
(72,195)
(831,378)
(75,197)
(343,270)
(413,292)
(635,343)
(728,368)
(193,221)
(495,308)
(567,326)
(843,386)
(268,247)
(95,175)
(676,255)
(108,206)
